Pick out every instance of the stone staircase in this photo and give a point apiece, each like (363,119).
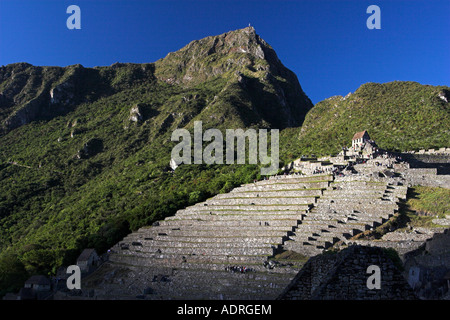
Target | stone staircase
(188,255)
(345,209)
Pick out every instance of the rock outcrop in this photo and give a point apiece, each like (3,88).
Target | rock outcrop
(30,94)
(136,114)
(63,93)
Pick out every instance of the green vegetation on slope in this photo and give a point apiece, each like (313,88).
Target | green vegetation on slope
(53,204)
(422,206)
(77,171)
(430,201)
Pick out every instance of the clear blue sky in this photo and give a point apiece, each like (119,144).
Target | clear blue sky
(326,43)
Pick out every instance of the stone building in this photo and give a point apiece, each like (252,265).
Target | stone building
(37,287)
(428,267)
(359,139)
(88,260)
(38,283)
(344,276)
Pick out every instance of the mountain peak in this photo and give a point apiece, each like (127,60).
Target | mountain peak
(233,51)
(246,64)
(241,40)
(249,31)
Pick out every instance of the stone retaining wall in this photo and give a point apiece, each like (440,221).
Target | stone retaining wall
(426,177)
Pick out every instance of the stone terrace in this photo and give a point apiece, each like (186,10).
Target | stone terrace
(185,256)
(345,209)
(191,250)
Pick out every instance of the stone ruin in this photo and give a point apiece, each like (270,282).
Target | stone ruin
(226,247)
(343,276)
(194,249)
(431,151)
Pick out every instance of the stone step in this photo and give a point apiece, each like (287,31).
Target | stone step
(326,228)
(362,189)
(402,247)
(205,231)
(323,237)
(236,213)
(232,222)
(343,216)
(306,248)
(298,178)
(194,262)
(196,239)
(326,232)
(359,182)
(186,261)
(282,186)
(218,226)
(207,216)
(262,201)
(369,198)
(344,219)
(267,250)
(354,200)
(248,207)
(176,260)
(333,223)
(270,194)
(344,229)
(146,245)
(327,212)
(364,207)
(339,214)
(260,225)
(331,207)
(211,238)
(258,268)
(342,232)
(362,193)
(171,227)
(318,243)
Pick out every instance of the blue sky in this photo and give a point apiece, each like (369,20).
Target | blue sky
(326,43)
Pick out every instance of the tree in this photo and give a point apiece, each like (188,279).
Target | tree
(12,273)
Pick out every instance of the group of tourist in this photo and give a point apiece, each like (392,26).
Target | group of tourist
(238,269)
(287,173)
